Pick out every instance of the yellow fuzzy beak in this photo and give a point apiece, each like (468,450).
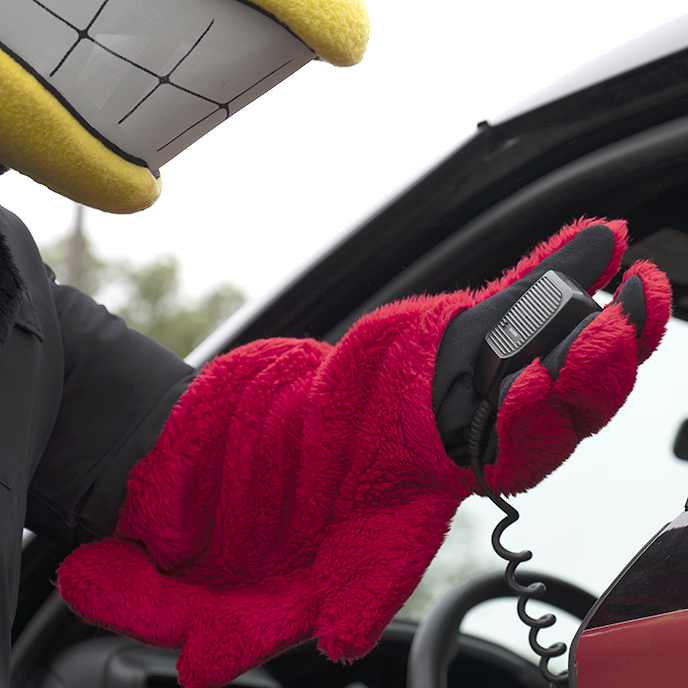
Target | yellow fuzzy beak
(94,125)
(42,139)
(336,30)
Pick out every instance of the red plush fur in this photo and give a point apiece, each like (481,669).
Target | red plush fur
(300,490)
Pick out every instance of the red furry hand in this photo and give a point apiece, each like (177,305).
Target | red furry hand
(300,490)
(548,407)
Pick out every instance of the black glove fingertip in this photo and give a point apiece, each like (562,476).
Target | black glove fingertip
(585,257)
(555,359)
(632,300)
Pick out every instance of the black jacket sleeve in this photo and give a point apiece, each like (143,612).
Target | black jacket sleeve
(119,388)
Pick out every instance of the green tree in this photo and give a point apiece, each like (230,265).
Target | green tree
(148,297)
(153,306)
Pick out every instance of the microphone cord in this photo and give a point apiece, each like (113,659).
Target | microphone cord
(481,423)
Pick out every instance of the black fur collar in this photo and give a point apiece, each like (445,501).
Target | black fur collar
(11,291)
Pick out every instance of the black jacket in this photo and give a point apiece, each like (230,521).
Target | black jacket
(82,397)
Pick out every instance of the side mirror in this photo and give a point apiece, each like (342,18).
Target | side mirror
(681,442)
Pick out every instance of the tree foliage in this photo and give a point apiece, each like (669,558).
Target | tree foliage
(148,297)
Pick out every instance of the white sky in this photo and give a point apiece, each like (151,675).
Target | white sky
(305,163)
(295,170)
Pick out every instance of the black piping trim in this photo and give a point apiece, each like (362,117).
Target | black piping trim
(165,78)
(224,106)
(81,33)
(108,144)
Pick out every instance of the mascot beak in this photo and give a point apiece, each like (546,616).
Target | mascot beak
(96,96)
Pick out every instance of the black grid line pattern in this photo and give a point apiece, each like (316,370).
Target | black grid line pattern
(83,34)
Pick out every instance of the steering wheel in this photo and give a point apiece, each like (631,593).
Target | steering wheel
(436,641)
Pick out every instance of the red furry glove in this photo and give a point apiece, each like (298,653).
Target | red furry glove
(548,407)
(300,490)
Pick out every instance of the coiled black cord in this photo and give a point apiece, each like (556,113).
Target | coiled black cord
(479,427)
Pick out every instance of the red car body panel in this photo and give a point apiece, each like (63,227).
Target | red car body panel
(639,653)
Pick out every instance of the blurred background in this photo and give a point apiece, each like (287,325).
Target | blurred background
(260,196)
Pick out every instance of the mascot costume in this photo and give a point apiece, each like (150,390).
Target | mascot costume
(291,489)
